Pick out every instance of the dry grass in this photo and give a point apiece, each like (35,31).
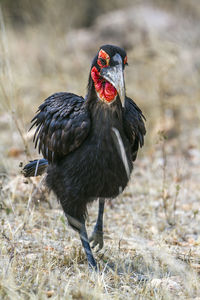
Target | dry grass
(153,228)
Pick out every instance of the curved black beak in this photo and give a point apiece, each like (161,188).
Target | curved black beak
(115,75)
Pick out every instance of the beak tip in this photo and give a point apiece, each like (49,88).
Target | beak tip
(122,97)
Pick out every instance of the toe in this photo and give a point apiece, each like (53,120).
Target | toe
(94,244)
(96,239)
(101,244)
(91,238)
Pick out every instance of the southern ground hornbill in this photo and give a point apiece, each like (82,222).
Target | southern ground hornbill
(89,144)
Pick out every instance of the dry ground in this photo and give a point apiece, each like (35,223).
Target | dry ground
(153,229)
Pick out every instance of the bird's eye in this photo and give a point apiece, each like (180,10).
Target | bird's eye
(101,62)
(103,59)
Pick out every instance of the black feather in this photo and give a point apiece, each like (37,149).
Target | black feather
(134,125)
(85,160)
(55,115)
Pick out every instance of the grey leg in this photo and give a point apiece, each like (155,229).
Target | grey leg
(86,246)
(97,235)
(79,225)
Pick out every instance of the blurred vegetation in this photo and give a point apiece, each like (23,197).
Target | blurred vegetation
(153,228)
(75,14)
(67,13)
(55,42)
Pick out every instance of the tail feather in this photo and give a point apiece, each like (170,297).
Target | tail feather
(35,167)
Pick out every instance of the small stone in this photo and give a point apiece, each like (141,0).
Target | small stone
(50,293)
(166,283)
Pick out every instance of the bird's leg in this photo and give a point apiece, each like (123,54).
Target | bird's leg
(78,224)
(97,235)
(86,246)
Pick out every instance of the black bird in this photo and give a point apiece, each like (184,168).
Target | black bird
(89,144)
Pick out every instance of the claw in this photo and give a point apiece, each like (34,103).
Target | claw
(97,239)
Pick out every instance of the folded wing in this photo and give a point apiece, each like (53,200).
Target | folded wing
(62,124)
(133,121)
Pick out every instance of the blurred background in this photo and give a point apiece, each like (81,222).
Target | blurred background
(47,47)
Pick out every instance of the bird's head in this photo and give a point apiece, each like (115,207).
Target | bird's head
(107,73)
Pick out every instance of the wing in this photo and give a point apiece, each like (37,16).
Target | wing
(62,123)
(134,125)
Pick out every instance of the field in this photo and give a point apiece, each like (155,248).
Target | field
(151,231)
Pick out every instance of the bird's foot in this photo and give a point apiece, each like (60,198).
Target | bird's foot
(92,266)
(97,239)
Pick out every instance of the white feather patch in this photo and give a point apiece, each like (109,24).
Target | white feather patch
(120,146)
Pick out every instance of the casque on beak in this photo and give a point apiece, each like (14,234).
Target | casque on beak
(115,75)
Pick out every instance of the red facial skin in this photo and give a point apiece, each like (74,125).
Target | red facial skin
(105,90)
(103,55)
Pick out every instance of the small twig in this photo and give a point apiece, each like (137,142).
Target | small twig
(175,200)
(12,252)
(164,193)
(34,190)
(26,147)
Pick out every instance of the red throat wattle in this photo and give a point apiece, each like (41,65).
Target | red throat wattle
(105,90)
